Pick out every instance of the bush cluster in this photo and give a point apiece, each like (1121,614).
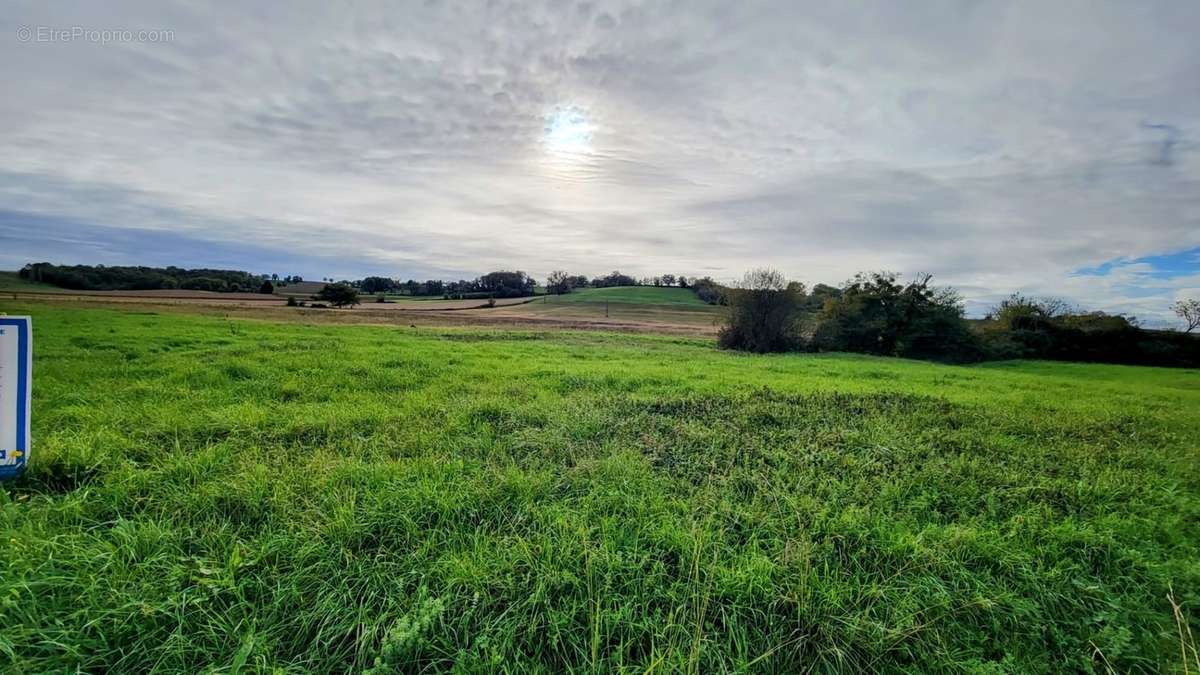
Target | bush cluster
(876,313)
(1021,327)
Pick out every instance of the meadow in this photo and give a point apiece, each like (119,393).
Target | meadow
(633,295)
(215,495)
(11,282)
(639,305)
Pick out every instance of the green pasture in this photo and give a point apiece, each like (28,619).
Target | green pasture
(211,495)
(632,295)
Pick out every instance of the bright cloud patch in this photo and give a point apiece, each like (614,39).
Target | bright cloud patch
(568,131)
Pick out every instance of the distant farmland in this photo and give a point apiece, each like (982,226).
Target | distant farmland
(633,295)
(300,289)
(644,305)
(639,309)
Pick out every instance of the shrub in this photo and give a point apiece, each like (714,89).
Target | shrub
(764,313)
(709,291)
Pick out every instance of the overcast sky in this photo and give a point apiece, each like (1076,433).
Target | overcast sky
(1046,147)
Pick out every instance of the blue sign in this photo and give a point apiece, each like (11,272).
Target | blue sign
(16,376)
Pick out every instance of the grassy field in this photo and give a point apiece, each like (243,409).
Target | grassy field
(632,295)
(299,289)
(638,304)
(648,315)
(11,281)
(210,495)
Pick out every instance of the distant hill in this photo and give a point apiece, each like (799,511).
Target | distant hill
(633,295)
(12,281)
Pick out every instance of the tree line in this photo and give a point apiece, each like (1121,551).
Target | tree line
(504,284)
(877,313)
(559,282)
(501,284)
(124,278)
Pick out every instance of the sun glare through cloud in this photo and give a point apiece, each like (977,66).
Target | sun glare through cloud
(567,133)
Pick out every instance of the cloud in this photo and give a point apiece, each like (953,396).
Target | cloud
(1001,146)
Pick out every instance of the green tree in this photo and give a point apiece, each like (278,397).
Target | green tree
(506,284)
(376,285)
(339,295)
(877,314)
(558,282)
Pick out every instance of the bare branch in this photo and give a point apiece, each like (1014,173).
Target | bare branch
(1189,311)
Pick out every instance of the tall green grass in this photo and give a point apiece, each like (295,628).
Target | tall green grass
(236,496)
